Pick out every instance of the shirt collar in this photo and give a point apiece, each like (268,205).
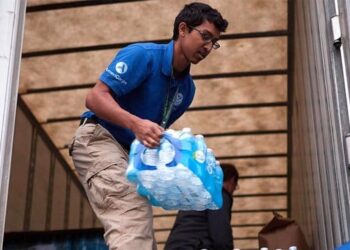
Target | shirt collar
(167,65)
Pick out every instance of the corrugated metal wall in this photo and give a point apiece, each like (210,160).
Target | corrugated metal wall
(240,104)
(320,177)
(248,96)
(43,193)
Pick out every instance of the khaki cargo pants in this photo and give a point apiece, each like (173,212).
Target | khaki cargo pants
(101,163)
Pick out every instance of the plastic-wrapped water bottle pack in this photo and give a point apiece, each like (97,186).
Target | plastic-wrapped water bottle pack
(182,173)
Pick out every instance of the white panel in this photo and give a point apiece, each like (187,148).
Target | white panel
(11,30)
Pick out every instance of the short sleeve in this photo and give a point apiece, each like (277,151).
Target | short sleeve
(128,70)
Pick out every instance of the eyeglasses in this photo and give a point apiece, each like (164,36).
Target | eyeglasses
(207,37)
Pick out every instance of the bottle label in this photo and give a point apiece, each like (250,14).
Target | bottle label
(199,156)
(150,157)
(166,153)
(210,168)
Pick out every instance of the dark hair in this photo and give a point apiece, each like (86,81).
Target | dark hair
(195,14)
(229,171)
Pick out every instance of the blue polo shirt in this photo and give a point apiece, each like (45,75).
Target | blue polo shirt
(139,77)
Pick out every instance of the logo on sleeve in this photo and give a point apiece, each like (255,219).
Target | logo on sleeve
(121,67)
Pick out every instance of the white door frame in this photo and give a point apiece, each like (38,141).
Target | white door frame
(12,16)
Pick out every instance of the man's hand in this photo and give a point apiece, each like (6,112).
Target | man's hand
(148,133)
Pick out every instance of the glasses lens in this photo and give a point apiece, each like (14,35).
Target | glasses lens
(207,38)
(216,45)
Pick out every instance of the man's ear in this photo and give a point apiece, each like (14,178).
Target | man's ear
(182,29)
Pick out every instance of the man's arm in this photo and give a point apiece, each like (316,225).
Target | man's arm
(100,101)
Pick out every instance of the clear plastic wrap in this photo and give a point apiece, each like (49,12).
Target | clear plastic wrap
(182,173)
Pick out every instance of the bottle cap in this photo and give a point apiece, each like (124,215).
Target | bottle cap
(170,131)
(187,130)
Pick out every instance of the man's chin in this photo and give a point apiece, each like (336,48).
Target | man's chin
(196,61)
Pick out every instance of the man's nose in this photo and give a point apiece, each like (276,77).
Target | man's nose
(208,45)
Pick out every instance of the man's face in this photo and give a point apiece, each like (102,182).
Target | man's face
(199,41)
(231,185)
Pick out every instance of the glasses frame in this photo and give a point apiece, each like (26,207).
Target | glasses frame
(215,45)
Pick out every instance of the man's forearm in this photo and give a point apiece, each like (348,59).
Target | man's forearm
(101,102)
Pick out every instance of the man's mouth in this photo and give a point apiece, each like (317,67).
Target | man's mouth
(202,55)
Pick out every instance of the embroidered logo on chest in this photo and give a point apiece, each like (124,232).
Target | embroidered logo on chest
(179,99)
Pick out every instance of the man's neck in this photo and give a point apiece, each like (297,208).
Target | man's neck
(180,62)
(180,74)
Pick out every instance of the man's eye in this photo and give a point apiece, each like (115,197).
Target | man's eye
(207,37)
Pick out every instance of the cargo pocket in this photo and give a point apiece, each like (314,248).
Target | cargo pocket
(107,183)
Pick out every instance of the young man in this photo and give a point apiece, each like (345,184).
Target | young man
(208,229)
(144,90)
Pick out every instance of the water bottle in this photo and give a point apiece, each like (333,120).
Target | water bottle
(210,182)
(131,171)
(210,170)
(219,177)
(210,161)
(166,154)
(200,157)
(217,164)
(217,183)
(173,133)
(185,133)
(180,174)
(201,148)
(186,160)
(186,138)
